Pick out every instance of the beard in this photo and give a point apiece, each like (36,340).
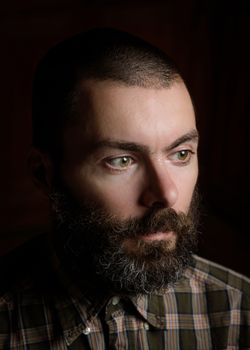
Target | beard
(94,244)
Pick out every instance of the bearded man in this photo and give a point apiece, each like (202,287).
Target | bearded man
(115,150)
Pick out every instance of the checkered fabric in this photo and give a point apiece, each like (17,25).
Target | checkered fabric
(208,308)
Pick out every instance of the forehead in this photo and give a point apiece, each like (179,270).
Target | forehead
(104,102)
(150,116)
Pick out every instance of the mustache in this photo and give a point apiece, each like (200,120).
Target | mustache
(109,231)
(112,229)
(157,220)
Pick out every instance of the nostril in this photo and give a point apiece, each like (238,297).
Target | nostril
(152,201)
(158,205)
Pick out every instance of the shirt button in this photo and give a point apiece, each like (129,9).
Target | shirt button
(146,326)
(115,300)
(86,331)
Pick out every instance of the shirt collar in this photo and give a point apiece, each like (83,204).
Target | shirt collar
(159,309)
(77,306)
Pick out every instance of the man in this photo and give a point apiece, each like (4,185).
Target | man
(115,150)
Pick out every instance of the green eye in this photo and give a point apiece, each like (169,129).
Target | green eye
(120,162)
(183,155)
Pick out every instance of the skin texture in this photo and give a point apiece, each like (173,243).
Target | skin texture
(132,148)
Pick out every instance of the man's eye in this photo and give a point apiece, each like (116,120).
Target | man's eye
(182,156)
(120,162)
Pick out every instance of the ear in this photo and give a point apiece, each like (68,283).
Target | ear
(41,170)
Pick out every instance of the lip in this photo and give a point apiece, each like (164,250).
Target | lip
(158,236)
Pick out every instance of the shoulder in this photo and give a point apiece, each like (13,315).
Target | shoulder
(30,297)
(215,276)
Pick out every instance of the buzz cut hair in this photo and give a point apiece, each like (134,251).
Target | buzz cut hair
(101,54)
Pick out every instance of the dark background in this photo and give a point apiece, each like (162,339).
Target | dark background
(210,43)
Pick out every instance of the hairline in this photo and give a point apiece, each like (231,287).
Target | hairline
(82,86)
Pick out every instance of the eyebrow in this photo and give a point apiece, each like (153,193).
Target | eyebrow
(191,136)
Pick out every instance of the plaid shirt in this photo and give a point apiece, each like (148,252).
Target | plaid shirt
(208,308)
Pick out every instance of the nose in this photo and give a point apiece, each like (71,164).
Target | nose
(159,187)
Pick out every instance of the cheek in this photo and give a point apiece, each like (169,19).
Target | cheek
(115,194)
(186,189)
(118,198)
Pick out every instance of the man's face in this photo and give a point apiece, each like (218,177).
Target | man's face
(132,151)
(133,148)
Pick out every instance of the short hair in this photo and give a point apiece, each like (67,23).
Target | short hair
(98,54)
